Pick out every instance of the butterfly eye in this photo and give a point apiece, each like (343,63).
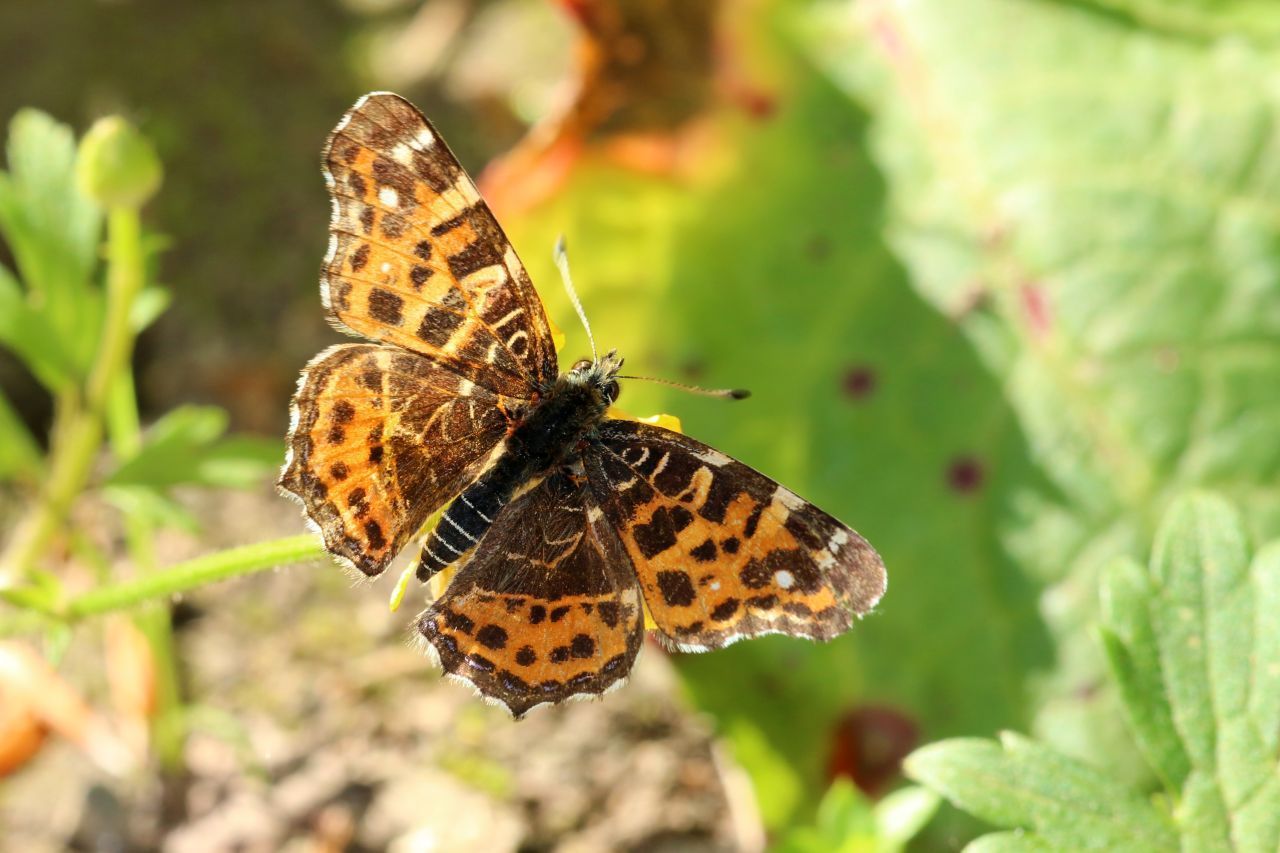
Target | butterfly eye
(611,392)
(580,364)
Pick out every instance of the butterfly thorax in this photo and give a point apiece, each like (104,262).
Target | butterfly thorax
(545,438)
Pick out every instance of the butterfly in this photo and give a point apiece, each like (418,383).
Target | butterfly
(563,524)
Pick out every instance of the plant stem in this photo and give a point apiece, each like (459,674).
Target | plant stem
(196,573)
(78,433)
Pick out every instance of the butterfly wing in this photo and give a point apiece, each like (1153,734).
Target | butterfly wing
(545,608)
(382,437)
(723,552)
(416,258)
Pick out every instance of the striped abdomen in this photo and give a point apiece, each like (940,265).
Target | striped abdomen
(466,519)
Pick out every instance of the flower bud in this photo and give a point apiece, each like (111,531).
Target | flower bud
(116,165)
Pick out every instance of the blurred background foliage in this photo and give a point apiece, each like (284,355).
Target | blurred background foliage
(1001,275)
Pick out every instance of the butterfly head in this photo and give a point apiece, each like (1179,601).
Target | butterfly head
(600,374)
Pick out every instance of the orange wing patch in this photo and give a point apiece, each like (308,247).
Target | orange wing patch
(545,609)
(416,258)
(381,438)
(721,551)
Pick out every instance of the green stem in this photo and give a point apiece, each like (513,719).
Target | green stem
(78,434)
(193,574)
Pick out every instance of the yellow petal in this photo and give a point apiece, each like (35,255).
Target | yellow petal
(557,336)
(665,421)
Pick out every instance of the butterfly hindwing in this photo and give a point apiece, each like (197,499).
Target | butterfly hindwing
(381,438)
(545,608)
(416,258)
(721,551)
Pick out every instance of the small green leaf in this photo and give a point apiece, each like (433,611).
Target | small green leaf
(1132,652)
(151,505)
(1019,783)
(148,306)
(185,447)
(20,457)
(28,334)
(902,814)
(53,230)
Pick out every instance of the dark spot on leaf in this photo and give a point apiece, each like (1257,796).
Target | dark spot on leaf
(965,474)
(859,382)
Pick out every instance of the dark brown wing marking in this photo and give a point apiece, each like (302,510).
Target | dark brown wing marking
(416,258)
(545,608)
(723,552)
(381,438)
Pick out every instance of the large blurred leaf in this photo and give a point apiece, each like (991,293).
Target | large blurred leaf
(52,229)
(1201,19)
(766,269)
(1195,649)
(1094,198)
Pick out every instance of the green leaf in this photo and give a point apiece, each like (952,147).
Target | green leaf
(27,332)
(1013,842)
(152,505)
(902,814)
(53,231)
(1193,644)
(183,447)
(1201,19)
(147,308)
(847,822)
(1197,655)
(20,457)
(1019,783)
(1092,196)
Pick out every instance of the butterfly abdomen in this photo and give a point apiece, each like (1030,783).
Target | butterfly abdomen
(537,445)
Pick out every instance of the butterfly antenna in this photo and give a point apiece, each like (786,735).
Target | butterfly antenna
(723,393)
(562,262)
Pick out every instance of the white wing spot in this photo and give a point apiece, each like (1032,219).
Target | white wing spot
(425,138)
(594,514)
(837,539)
(788,498)
(389,197)
(715,586)
(712,457)
(386,266)
(785,579)
(402,154)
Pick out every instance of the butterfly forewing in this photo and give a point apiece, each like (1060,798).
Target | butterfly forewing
(721,551)
(381,438)
(545,607)
(416,258)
